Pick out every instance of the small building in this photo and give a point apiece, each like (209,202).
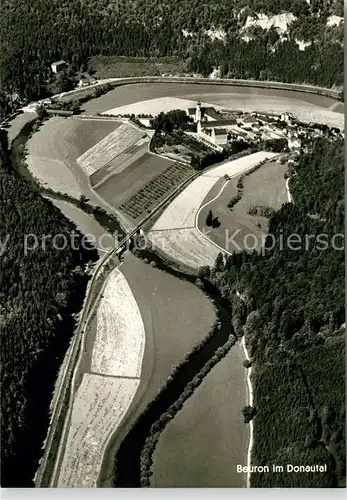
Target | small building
(58,66)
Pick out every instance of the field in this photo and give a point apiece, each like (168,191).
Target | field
(110,368)
(187,246)
(155,190)
(120,162)
(265,188)
(54,149)
(99,407)
(210,419)
(153,106)
(120,336)
(120,67)
(169,336)
(120,187)
(178,236)
(111,146)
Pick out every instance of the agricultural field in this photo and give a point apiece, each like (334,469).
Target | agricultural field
(153,106)
(120,336)
(238,229)
(169,336)
(100,405)
(112,145)
(187,246)
(155,190)
(55,147)
(211,419)
(122,186)
(176,232)
(120,162)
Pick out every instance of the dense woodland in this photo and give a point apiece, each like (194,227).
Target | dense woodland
(39,293)
(34,34)
(290,306)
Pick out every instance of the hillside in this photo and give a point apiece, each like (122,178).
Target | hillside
(40,290)
(292,313)
(296,41)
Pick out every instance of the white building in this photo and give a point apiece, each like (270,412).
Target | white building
(58,66)
(214,137)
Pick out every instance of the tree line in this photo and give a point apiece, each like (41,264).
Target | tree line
(288,301)
(37,33)
(40,292)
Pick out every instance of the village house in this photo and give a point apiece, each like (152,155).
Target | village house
(58,66)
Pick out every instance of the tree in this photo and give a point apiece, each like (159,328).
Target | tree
(209,218)
(83,199)
(41,112)
(248,413)
(247,363)
(219,264)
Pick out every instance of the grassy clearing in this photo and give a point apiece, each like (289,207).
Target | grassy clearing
(91,423)
(120,336)
(210,419)
(111,146)
(266,188)
(120,67)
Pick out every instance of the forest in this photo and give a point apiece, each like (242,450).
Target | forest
(290,306)
(34,34)
(40,293)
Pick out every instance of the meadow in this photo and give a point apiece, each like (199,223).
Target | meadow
(176,231)
(266,187)
(210,419)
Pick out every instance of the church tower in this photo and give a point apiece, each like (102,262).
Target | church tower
(198,112)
